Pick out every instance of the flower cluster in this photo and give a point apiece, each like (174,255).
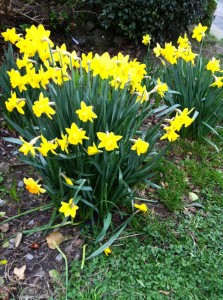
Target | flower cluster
(176,124)
(54,64)
(184,50)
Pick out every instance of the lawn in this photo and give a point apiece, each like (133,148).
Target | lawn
(174,256)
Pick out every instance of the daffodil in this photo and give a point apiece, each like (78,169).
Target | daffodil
(26,147)
(33,187)
(10,35)
(140,146)
(92,150)
(17,80)
(142,207)
(67,179)
(107,251)
(108,140)
(218,82)
(86,113)
(15,102)
(63,143)
(170,134)
(76,135)
(199,32)
(68,209)
(160,88)
(42,106)
(146,39)
(213,65)
(47,146)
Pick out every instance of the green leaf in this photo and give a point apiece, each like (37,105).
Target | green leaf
(107,222)
(108,243)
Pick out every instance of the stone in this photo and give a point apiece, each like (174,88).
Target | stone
(58,258)
(29,256)
(20,184)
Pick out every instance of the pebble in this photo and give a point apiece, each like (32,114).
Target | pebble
(2,202)
(20,184)
(29,256)
(31,223)
(59,257)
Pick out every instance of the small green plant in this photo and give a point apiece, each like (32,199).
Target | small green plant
(173,185)
(12,191)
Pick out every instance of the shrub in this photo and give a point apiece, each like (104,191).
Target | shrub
(162,19)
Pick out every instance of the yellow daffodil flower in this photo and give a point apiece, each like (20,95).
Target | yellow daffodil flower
(183,41)
(28,147)
(213,65)
(17,80)
(170,134)
(140,146)
(142,207)
(10,35)
(15,102)
(146,39)
(92,150)
(76,135)
(199,32)
(68,209)
(157,50)
(108,140)
(63,143)
(67,179)
(160,88)
(218,82)
(42,106)
(86,113)
(47,146)
(107,251)
(33,187)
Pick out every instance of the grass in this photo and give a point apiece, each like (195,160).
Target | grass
(179,257)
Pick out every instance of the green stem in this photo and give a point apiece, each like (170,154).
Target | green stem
(83,257)
(46,227)
(66,265)
(44,207)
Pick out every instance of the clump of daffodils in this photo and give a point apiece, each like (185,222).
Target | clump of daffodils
(79,135)
(175,124)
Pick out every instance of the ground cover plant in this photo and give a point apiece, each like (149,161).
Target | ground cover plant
(166,257)
(91,127)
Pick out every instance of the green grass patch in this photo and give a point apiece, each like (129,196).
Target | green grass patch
(179,257)
(172,260)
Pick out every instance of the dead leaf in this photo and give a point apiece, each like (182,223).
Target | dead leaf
(2,214)
(6,244)
(164,292)
(20,272)
(4,227)
(54,237)
(17,240)
(193,196)
(54,275)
